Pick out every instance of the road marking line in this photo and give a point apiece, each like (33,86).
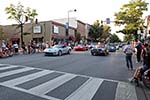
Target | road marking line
(3,68)
(86,91)
(52,84)
(26,91)
(1,65)
(125,91)
(26,78)
(14,72)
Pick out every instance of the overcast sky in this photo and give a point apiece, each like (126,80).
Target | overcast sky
(87,10)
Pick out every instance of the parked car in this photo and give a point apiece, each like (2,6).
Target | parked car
(99,51)
(58,50)
(80,47)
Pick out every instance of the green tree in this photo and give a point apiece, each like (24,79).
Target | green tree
(96,30)
(114,38)
(21,15)
(130,15)
(128,37)
(106,32)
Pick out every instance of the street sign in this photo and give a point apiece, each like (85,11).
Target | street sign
(67,26)
(108,20)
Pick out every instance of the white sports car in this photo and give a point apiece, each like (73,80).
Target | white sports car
(57,50)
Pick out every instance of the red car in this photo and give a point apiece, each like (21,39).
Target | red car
(80,47)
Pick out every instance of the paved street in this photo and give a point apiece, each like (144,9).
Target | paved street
(78,76)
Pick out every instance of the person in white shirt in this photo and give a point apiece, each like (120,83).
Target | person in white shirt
(16,47)
(128,50)
(3,45)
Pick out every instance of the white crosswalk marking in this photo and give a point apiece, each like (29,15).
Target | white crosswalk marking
(125,91)
(14,72)
(86,91)
(27,78)
(3,68)
(50,85)
(89,88)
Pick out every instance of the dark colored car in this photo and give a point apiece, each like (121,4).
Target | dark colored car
(111,48)
(99,51)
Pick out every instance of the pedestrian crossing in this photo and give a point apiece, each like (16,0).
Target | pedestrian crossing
(55,85)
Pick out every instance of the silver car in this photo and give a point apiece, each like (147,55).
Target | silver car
(58,50)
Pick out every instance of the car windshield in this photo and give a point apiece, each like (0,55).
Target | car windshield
(100,46)
(57,46)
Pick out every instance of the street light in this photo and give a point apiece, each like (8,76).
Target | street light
(67,24)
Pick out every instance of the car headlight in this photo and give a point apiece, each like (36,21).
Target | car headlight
(45,50)
(56,50)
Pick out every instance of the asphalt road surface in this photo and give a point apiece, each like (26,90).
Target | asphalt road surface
(78,76)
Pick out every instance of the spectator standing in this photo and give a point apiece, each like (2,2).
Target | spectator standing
(24,48)
(139,50)
(128,50)
(145,57)
(3,45)
(16,47)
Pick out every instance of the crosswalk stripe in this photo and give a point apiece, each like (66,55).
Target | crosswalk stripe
(2,68)
(1,65)
(26,91)
(125,91)
(14,72)
(50,85)
(86,91)
(27,78)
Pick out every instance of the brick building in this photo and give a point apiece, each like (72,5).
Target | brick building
(148,24)
(41,32)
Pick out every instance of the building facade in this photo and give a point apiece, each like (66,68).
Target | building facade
(40,32)
(148,24)
(81,27)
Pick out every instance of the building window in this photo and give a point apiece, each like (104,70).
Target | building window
(55,29)
(37,29)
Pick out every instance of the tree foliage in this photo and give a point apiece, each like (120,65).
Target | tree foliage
(128,37)
(96,30)
(130,15)
(114,38)
(106,33)
(20,14)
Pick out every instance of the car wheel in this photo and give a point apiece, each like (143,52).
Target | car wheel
(69,51)
(59,53)
(93,54)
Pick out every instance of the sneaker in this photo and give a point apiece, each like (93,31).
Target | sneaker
(131,80)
